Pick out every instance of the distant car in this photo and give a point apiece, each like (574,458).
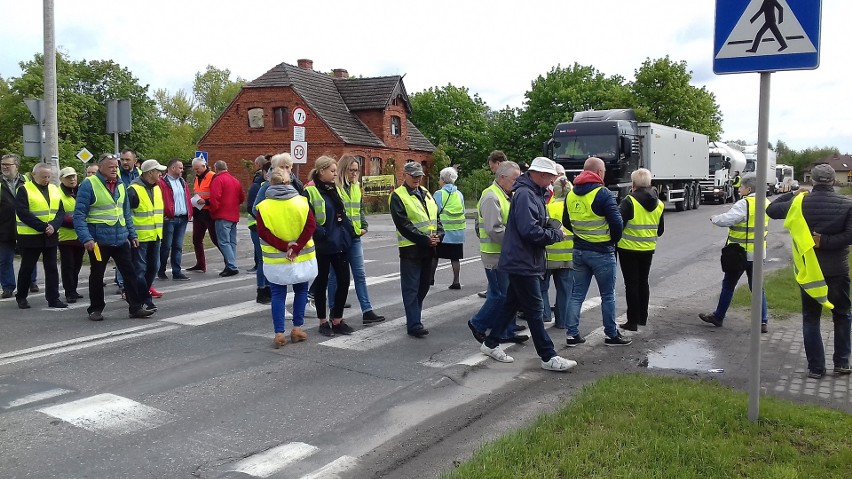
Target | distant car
(795,185)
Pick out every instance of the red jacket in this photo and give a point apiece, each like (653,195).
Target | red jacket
(226,196)
(169,198)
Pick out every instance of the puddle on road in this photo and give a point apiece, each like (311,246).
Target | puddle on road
(690,354)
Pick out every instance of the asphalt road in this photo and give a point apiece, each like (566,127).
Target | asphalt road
(198,391)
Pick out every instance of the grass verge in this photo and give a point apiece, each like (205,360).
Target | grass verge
(641,426)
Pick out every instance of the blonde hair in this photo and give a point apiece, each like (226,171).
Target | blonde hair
(343,167)
(561,187)
(281,159)
(322,163)
(279,176)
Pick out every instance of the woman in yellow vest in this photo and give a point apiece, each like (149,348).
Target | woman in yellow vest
(559,257)
(70,249)
(450,203)
(642,212)
(740,223)
(285,225)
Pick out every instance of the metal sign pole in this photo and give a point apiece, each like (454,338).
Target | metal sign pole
(759,228)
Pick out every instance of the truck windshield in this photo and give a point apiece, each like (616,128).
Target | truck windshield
(716,163)
(585,146)
(749,166)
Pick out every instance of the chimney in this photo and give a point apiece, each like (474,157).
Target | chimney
(306,64)
(341,73)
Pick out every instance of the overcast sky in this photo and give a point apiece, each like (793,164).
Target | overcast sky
(495,48)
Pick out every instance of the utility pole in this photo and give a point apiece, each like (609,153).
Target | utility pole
(50,154)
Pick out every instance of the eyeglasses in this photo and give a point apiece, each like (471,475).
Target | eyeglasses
(9,165)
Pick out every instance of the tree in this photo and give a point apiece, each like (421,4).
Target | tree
(662,94)
(555,97)
(505,132)
(214,90)
(455,121)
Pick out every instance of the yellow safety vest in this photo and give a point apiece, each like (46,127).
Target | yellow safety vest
(425,220)
(743,232)
(252,220)
(68,203)
(586,224)
(736,183)
(148,216)
(352,204)
(106,209)
(452,211)
(640,233)
(562,252)
(286,220)
(486,244)
(805,264)
(317,204)
(39,206)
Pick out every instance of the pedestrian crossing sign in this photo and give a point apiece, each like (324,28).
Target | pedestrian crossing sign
(766,35)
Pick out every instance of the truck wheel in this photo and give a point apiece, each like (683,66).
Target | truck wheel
(687,197)
(696,202)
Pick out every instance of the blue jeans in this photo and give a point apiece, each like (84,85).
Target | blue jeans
(838,294)
(359,276)
(171,248)
(226,233)
(414,277)
(279,295)
(7,266)
(563,281)
(146,259)
(495,301)
(729,284)
(524,294)
(258,259)
(602,267)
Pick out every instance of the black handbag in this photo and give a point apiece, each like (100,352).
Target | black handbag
(734,258)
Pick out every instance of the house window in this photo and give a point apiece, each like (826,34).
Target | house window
(849,177)
(375,166)
(255,117)
(396,126)
(279,117)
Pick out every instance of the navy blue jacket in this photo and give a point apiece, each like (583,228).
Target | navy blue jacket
(527,232)
(603,205)
(115,235)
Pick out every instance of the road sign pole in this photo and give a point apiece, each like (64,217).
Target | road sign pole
(115,140)
(759,228)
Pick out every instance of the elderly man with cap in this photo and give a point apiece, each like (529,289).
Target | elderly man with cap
(104,224)
(522,257)
(146,203)
(70,249)
(40,213)
(418,232)
(820,224)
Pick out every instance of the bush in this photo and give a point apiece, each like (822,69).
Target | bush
(472,185)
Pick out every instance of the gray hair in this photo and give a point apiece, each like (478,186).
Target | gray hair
(561,186)
(505,168)
(749,180)
(449,175)
(14,157)
(641,178)
(281,159)
(198,161)
(260,161)
(220,166)
(41,166)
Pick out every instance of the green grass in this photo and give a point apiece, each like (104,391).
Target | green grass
(640,426)
(845,190)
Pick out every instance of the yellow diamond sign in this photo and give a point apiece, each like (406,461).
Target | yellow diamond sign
(84,155)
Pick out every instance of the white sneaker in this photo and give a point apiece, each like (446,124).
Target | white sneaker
(558,363)
(496,353)
(311,308)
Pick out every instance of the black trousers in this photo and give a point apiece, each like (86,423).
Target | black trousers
(134,293)
(70,264)
(340,263)
(635,268)
(29,260)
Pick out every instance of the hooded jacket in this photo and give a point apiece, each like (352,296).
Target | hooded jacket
(647,197)
(603,205)
(527,231)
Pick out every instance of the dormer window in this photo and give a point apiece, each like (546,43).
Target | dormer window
(396,126)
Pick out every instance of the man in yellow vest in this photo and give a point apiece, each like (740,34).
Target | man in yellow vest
(495,158)
(642,212)
(418,232)
(39,211)
(493,209)
(146,203)
(740,223)
(104,224)
(70,249)
(820,224)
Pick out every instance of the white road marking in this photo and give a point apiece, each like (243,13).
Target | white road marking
(388,331)
(333,469)
(36,397)
(267,463)
(109,415)
(217,314)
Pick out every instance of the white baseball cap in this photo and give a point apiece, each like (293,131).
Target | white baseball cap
(543,165)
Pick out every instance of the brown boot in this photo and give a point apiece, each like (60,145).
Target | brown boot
(280,340)
(297,335)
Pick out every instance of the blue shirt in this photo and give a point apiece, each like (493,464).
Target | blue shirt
(178,194)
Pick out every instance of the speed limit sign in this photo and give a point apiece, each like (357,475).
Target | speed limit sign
(299,151)
(299,116)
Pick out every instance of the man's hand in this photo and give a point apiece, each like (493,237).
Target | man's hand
(49,230)
(817,237)
(89,245)
(134,242)
(363,232)
(434,240)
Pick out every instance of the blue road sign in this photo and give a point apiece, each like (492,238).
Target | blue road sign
(766,35)
(201,154)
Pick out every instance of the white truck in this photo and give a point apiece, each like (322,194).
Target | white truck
(750,152)
(783,178)
(725,161)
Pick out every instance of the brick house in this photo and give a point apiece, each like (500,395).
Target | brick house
(366,117)
(842,165)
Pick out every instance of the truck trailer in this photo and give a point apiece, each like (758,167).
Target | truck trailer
(750,152)
(725,162)
(677,159)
